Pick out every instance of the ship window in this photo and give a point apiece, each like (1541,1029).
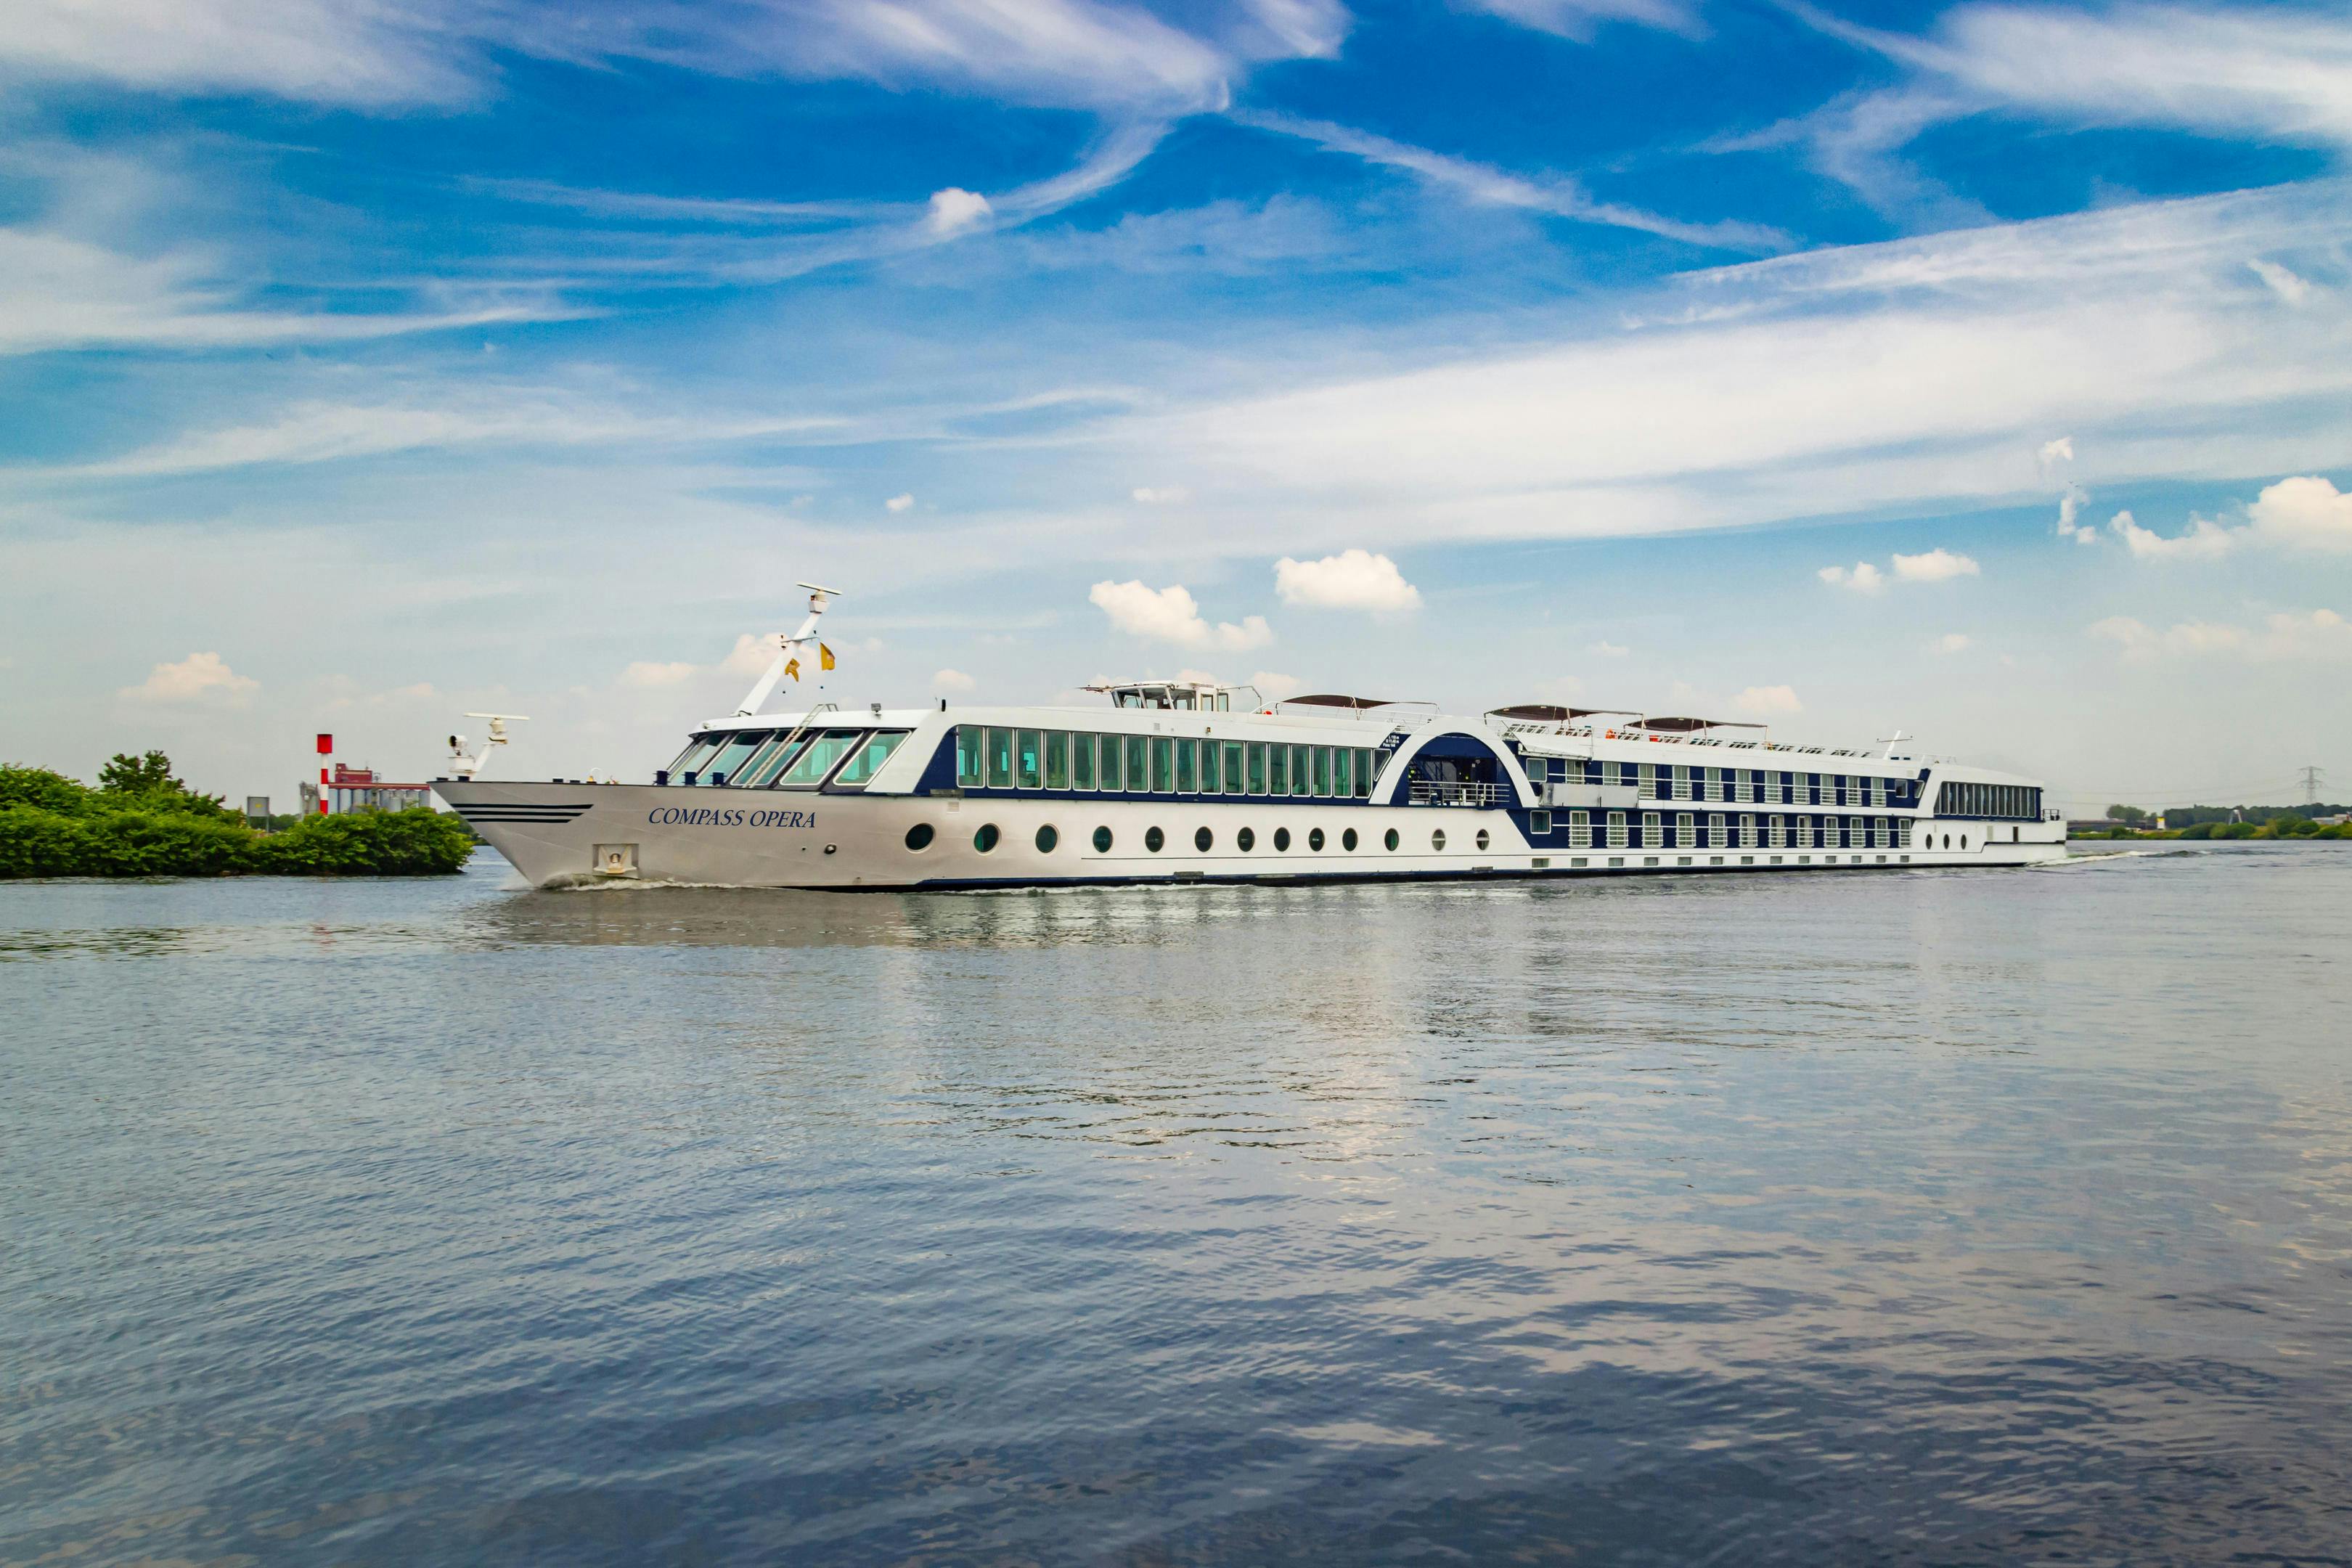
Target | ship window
(1057,760)
(1030,759)
(985,839)
(1082,762)
(1137,762)
(1258,767)
(700,747)
(762,763)
(919,837)
(1154,840)
(1111,772)
(999,759)
(1367,767)
(816,758)
(1437,839)
(1164,764)
(870,754)
(1298,770)
(1187,756)
(731,756)
(1277,770)
(1246,840)
(970,742)
(1343,783)
(1390,838)
(1046,839)
(1540,822)
(1209,782)
(1315,839)
(1233,767)
(1203,840)
(1322,770)
(1102,840)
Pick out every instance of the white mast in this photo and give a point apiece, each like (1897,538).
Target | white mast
(468,767)
(788,648)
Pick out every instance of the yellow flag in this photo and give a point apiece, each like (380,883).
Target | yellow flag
(792,667)
(823,657)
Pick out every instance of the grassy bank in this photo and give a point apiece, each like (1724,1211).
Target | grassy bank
(2288,828)
(142,822)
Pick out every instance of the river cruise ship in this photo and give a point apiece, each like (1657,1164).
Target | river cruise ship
(1190,781)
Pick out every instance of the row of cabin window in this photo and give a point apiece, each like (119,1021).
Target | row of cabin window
(1989,800)
(1676,781)
(991,758)
(1654,830)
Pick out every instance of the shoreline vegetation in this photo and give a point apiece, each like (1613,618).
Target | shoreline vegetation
(139,821)
(2270,822)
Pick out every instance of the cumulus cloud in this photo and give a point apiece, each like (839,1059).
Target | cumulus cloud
(955,209)
(1937,565)
(2204,540)
(2305,513)
(2061,450)
(2070,511)
(199,678)
(751,654)
(900,502)
(2289,635)
(1274,687)
(1862,577)
(1953,642)
(1170,614)
(1352,580)
(952,680)
(650,674)
(1162,495)
(1767,700)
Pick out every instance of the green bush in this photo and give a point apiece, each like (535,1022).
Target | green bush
(146,822)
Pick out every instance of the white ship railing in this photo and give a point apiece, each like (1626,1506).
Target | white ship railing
(1431,793)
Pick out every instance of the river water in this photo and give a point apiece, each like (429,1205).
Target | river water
(1904,1217)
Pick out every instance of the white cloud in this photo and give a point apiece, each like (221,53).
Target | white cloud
(1606,649)
(2307,514)
(900,502)
(1554,194)
(59,292)
(1162,495)
(1953,642)
(1937,565)
(2288,634)
(1352,580)
(751,654)
(200,676)
(1170,614)
(1274,687)
(952,680)
(1862,577)
(2070,509)
(1767,700)
(2061,450)
(646,673)
(955,209)
(2205,540)
(1579,19)
(370,56)
(2294,291)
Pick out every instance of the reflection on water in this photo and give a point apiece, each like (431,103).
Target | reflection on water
(1941,1217)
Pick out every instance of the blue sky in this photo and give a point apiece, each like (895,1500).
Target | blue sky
(367,364)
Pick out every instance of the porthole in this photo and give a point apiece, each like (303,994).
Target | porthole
(1315,839)
(1390,838)
(1046,839)
(1348,840)
(919,837)
(1246,840)
(1154,840)
(1482,838)
(985,839)
(1964,841)
(1202,838)
(1282,838)
(1102,840)
(1437,839)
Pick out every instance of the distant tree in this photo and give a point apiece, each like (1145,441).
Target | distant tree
(150,774)
(2126,813)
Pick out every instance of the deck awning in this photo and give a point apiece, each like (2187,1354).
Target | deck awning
(1690,726)
(1550,713)
(1353,704)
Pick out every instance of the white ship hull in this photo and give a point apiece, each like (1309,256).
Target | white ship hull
(558,834)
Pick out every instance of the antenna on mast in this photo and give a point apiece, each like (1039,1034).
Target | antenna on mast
(788,650)
(468,767)
(1896,740)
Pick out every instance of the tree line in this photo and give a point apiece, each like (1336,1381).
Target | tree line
(143,820)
